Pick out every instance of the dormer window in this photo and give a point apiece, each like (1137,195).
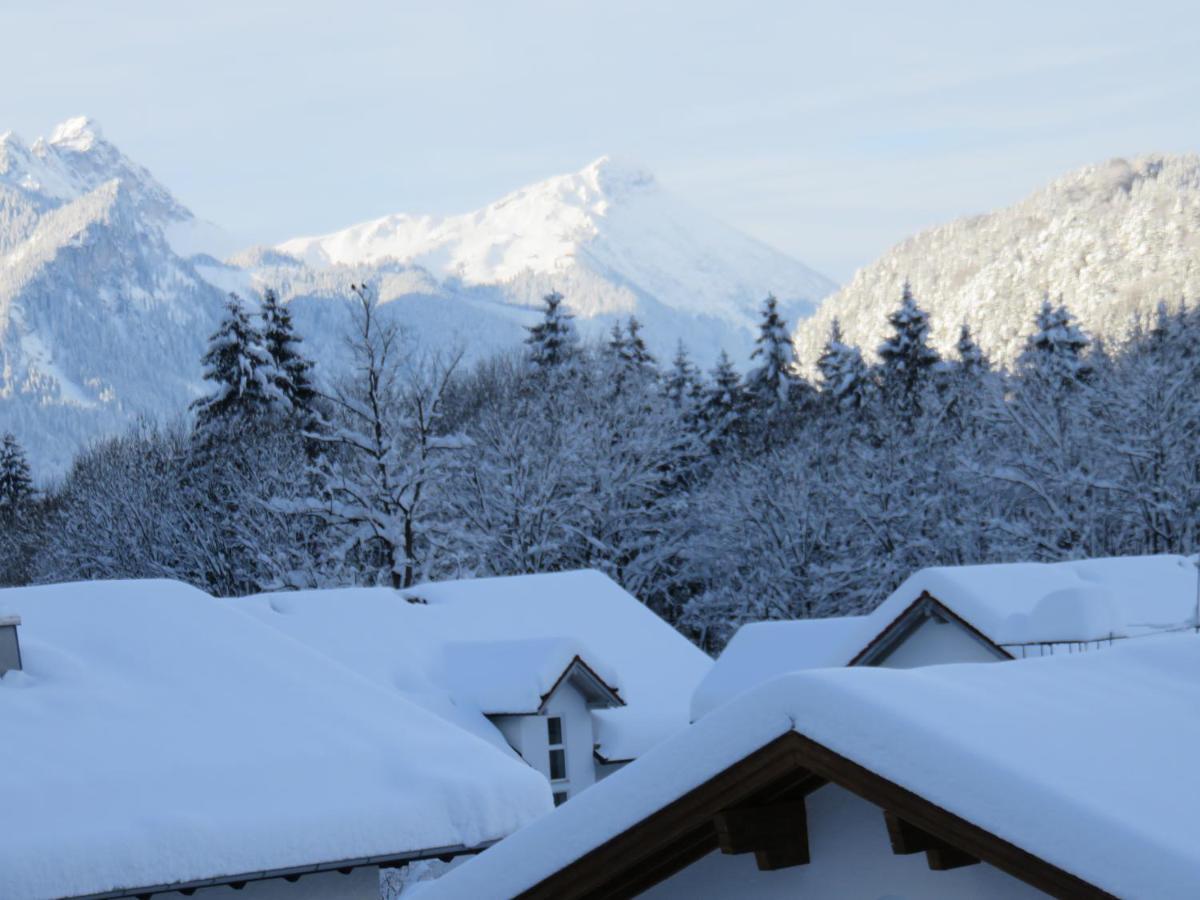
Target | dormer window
(558,750)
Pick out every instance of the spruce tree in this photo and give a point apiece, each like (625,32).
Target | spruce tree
(844,376)
(773,382)
(724,404)
(682,385)
(238,364)
(292,371)
(553,341)
(970,355)
(906,358)
(635,352)
(616,343)
(21,532)
(16,482)
(1056,351)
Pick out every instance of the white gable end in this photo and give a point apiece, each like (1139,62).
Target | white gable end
(935,642)
(851,857)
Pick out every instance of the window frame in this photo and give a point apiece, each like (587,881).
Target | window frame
(558,747)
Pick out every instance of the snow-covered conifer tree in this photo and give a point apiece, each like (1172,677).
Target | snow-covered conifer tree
(635,351)
(238,364)
(970,355)
(772,382)
(724,404)
(682,385)
(292,371)
(553,341)
(1057,349)
(845,378)
(16,481)
(906,357)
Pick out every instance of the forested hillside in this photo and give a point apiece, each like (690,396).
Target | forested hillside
(715,497)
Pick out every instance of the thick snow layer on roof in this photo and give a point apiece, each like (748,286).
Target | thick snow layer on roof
(762,650)
(401,644)
(1009,603)
(1084,600)
(511,676)
(1087,761)
(158,735)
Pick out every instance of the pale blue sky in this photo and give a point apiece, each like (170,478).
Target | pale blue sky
(829,130)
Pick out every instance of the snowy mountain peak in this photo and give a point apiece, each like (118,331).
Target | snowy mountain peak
(79,134)
(607,236)
(617,178)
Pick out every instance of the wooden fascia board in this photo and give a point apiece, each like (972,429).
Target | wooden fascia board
(645,845)
(648,852)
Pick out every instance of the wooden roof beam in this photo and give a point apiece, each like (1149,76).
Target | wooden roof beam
(777,834)
(906,838)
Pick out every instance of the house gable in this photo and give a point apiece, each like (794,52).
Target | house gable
(782,773)
(926,633)
(558,738)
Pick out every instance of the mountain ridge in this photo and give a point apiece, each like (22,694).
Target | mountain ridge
(1110,239)
(107,293)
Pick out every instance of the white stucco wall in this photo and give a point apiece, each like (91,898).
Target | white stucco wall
(934,643)
(528,735)
(851,858)
(578,737)
(361,884)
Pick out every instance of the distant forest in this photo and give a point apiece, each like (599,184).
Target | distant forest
(716,498)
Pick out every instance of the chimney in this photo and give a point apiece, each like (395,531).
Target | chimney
(10,646)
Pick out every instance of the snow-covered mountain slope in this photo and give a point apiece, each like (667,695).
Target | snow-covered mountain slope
(1111,239)
(101,320)
(109,287)
(610,239)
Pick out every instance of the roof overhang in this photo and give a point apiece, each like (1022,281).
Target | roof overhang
(757,806)
(9,620)
(925,607)
(292,873)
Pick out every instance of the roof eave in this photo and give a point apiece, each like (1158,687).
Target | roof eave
(385,860)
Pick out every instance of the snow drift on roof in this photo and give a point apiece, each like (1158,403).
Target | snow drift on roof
(762,650)
(1086,761)
(512,676)
(158,735)
(399,644)
(1082,600)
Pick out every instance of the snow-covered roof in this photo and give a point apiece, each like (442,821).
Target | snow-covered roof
(517,676)
(403,645)
(1082,600)
(760,651)
(1086,761)
(158,736)
(1009,604)
(9,620)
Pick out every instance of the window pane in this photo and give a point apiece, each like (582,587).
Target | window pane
(560,797)
(554,725)
(558,765)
